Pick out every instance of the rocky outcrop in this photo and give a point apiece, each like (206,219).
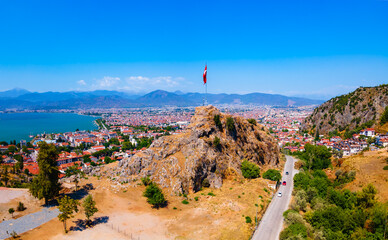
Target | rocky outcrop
(356,110)
(184,161)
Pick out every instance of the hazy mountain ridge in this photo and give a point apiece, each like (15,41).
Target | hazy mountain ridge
(23,99)
(358,109)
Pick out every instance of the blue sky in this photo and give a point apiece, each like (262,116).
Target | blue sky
(306,48)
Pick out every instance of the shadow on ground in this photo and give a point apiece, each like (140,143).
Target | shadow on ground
(82,224)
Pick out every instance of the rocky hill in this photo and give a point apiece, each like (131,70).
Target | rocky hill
(206,151)
(354,111)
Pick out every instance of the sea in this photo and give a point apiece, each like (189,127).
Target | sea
(19,126)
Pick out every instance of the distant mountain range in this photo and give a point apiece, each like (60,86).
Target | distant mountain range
(23,99)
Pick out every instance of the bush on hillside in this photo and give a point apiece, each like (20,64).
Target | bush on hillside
(252,121)
(155,196)
(293,230)
(273,175)
(217,121)
(250,170)
(146,181)
(384,116)
(230,125)
(216,143)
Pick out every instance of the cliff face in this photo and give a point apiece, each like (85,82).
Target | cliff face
(183,161)
(361,108)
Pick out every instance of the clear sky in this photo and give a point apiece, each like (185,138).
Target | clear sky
(305,48)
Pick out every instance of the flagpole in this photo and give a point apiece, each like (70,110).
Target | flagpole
(206,86)
(206,93)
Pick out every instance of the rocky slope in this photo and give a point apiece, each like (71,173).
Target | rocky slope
(183,161)
(358,109)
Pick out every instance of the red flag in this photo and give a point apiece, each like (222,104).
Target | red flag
(204,75)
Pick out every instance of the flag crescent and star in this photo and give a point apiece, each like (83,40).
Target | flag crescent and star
(205,75)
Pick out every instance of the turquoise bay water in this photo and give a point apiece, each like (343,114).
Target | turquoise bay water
(17,126)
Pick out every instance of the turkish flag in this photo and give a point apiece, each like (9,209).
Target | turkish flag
(204,75)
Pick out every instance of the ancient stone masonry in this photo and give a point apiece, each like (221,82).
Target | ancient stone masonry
(182,162)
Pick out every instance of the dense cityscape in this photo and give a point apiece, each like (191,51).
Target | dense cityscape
(122,133)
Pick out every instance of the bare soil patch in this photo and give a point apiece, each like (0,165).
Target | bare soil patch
(10,198)
(221,216)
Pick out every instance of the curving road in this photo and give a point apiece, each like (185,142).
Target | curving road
(272,222)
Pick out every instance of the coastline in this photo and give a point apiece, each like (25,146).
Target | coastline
(20,127)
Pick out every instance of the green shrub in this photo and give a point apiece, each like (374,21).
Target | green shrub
(285,213)
(230,125)
(217,121)
(20,207)
(250,170)
(185,202)
(385,167)
(155,196)
(146,181)
(273,175)
(205,183)
(248,219)
(252,121)
(294,230)
(216,143)
(196,198)
(384,116)
(211,194)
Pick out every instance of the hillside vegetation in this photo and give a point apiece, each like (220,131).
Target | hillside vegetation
(362,108)
(324,208)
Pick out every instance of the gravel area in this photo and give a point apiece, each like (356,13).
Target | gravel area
(28,222)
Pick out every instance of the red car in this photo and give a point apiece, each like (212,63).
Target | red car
(284,183)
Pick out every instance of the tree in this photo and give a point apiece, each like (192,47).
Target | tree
(86,158)
(46,184)
(216,143)
(89,206)
(67,206)
(19,164)
(127,146)
(107,160)
(250,170)
(155,196)
(316,135)
(384,116)
(74,171)
(316,157)
(11,211)
(366,197)
(5,176)
(217,121)
(230,125)
(272,174)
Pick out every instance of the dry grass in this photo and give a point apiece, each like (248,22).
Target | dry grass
(211,217)
(369,169)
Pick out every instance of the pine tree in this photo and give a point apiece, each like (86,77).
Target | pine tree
(46,184)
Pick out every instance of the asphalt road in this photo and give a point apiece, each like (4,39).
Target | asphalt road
(272,222)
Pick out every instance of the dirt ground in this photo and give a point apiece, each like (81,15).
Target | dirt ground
(10,198)
(369,169)
(128,214)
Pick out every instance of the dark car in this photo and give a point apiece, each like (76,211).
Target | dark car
(286,173)
(284,183)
